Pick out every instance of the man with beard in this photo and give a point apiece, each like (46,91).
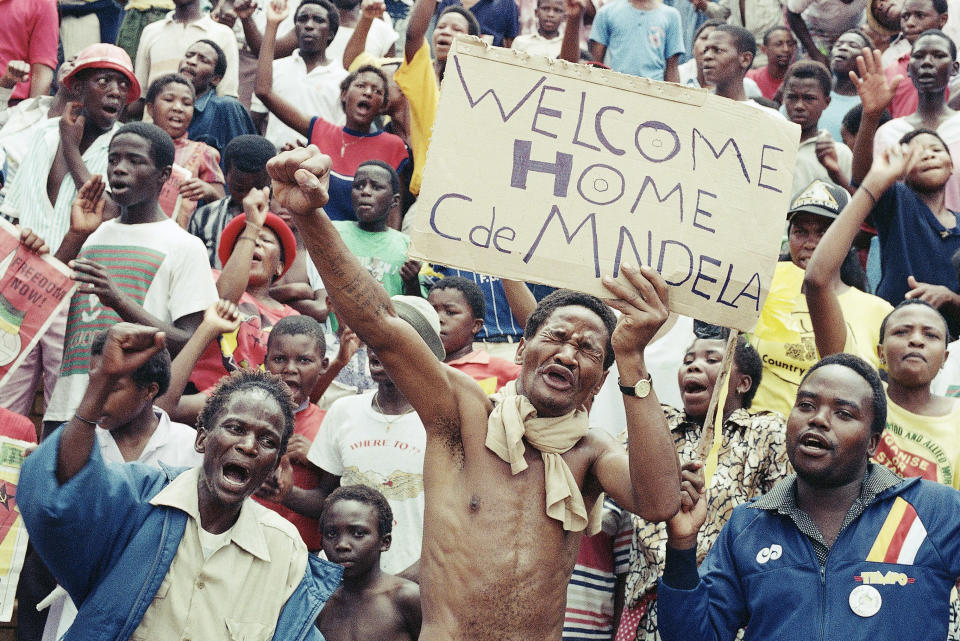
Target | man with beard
(852,548)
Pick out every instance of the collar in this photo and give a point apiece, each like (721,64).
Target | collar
(181,494)
(478,356)
(204,18)
(783,497)
(812,140)
(202,101)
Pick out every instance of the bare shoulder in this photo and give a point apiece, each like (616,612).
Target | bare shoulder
(405,596)
(598,443)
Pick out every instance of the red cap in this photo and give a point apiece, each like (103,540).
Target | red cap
(106,56)
(287,240)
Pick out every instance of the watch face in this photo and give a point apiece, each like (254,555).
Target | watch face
(642,388)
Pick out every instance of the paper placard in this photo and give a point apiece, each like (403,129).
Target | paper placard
(554,173)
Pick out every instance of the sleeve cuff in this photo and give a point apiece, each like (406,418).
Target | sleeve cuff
(681,569)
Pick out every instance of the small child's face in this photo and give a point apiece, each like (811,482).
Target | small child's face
(298,361)
(131,172)
(351,537)
(457,324)
(372,194)
(933,166)
(550,14)
(172,109)
(804,101)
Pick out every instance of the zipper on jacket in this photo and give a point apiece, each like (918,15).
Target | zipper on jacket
(823,597)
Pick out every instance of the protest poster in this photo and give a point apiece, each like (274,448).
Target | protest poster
(556,173)
(13,534)
(33,289)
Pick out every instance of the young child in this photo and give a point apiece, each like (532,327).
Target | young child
(780,47)
(245,159)
(460,305)
(921,435)
(196,171)
(546,41)
(141,267)
(806,93)
(363,96)
(296,353)
(371,604)
(638,37)
(381,250)
(130,427)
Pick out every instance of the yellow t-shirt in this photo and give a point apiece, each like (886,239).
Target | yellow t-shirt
(924,446)
(784,336)
(418,82)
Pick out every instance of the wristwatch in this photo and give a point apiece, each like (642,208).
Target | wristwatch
(640,390)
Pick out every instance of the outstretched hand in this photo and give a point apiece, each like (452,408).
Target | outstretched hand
(127,347)
(683,527)
(301,180)
(875,91)
(644,306)
(893,164)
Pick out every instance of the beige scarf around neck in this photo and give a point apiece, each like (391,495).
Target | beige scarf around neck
(514,418)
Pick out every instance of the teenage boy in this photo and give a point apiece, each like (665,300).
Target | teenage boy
(843,94)
(357,526)
(480,501)
(779,47)
(916,17)
(546,40)
(140,267)
(727,55)
(64,153)
(216,119)
(381,250)
(638,37)
(819,537)
(306,78)
(245,160)
(162,44)
(806,93)
(460,305)
(147,541)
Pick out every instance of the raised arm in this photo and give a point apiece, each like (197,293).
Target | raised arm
(647,481)
(370,10)
(570,47)
(286,111)
(236,272)
(520,298)
(823,269)
(127,347)
(86,214)
(419,23)
(220,318)
(799,28)
(300,184)
(251,33)
(875,95)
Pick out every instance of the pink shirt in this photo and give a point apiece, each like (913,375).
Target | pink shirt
(29,31)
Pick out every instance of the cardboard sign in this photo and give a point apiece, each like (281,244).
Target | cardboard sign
(33,289)
(554,173)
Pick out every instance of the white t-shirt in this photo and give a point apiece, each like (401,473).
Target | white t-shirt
(357,445)
(315,94)
(827,19)
(537,45)
(159,265)
(171,444)
(688,77)
(379,40)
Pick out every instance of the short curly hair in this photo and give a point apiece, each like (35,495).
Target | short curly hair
(367,496)
(241,381)
(567,298)
(867,373)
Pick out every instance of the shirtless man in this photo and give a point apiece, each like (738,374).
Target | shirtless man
(494,564)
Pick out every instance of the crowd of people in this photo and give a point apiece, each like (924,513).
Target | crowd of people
(259,418)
